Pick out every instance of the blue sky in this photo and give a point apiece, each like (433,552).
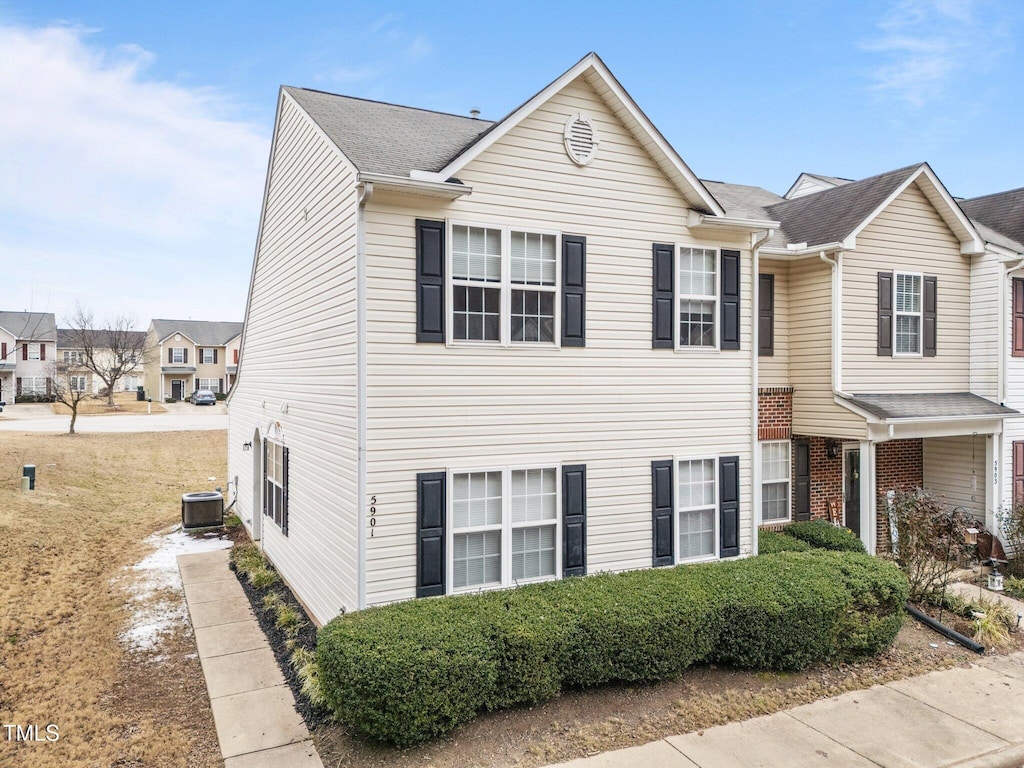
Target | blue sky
(135,136)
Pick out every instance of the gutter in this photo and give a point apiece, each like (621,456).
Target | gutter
(837,322)
(696,219)
(801,250)
(388,183)
(756,238)
(365,192)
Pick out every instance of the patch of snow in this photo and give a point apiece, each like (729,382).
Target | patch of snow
(154,591)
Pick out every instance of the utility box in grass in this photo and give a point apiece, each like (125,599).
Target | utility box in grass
(202,509)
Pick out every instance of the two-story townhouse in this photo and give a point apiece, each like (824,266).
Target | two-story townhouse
(72,352)
(875,312)
(540,349)
(999,218)
(28,342)
(186,355)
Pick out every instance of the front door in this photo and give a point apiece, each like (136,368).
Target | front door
(177,389)
(851,489)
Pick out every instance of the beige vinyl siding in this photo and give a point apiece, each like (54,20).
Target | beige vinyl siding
(954,468)
(614,405)
(300,364)
(910,236)
(815,411)
(986,273)
(774,371)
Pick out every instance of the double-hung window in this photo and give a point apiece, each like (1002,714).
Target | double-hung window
(698,296)
(504,285)
(74,357)
(177,354)
(211,384)
(504,527)
(697,509)
(907,325)
(207,355)
(34,352)
(775,472)
(78,383)
(276,483)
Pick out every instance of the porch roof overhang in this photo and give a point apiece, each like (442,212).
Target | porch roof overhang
(231,369)
(934,414)
(177,369)
(7,367)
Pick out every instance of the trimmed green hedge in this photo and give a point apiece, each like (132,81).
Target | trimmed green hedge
(823,535)
(411,671)
(771,542)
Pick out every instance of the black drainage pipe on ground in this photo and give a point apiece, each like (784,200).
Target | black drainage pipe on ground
(942,629)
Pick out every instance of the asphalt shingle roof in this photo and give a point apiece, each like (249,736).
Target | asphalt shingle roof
(387,138)
(29,325)
(1002,211)
(67,338)
(938,405)
(202,332)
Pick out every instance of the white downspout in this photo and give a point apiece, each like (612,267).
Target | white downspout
(756,239)
(365,190)
(1004,338)
(837,322)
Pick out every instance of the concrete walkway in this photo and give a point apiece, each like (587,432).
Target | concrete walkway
(253,707)
(965,717)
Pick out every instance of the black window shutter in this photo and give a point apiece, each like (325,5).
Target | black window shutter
(801,480)
(266,482)
(661,495)
(885,314)
(170,354)
(929,316)
(574,520)
(574,291)
(730,300)
(215,356)
(729,505)
(664,297)
(220,385)
(185,350)
(284,491)
(429,280)
(766,315)
(430,519)
(1017,350)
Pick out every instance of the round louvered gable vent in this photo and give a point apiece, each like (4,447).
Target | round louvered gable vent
(580,139)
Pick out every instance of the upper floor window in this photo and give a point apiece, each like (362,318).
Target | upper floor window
(74,356)
(178,355)
(698,296)
(208,355)
(34,351)
(908,314)
(504,285)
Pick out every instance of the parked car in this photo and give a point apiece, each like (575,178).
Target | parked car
(203,397)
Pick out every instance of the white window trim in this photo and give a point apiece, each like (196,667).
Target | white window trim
(762,482)
(173,355)
(506,527)
(676,510)
(919,314)
(78,379)
(268,510)
(680,298)
(214,387)
(202,356)
(506,287)
(34,352)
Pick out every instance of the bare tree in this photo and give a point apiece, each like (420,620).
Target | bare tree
(69,384)
(110,353)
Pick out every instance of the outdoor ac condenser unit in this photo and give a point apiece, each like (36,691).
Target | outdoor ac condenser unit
(202,509)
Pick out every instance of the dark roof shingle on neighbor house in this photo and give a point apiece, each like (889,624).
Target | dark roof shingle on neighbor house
(29,325)
(1002,211)
(205,333)
(935,405)
(68,338)
(387,138)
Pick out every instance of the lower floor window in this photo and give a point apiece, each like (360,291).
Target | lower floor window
(130,383)
(33,385)
(211,384)
(275,487)
(697,508)
(78,383)
(775,470)
(504,526)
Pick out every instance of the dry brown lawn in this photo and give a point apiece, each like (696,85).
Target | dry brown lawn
(124,402)
(63,548)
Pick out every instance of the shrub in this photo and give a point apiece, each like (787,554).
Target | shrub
(1014,587)
(821,534)
(411,671)
(1011,529)
(770,542)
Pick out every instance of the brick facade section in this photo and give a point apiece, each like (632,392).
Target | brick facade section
(774,413)
(899,466)
(826,477)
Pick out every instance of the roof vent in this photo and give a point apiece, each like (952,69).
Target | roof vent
(581,139)
(474,113)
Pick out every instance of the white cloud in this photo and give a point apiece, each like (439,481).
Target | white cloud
(927,46)
(393,50)
(105,166)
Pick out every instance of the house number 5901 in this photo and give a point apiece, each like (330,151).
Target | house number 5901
(373,514)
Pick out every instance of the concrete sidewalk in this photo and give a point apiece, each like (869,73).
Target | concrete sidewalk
(253,707)
(965,717)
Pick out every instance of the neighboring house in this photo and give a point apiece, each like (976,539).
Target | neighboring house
(187,355)
(71,352)
(1000,219)
(28,343)
(454,362)
(481,354)
(875,312)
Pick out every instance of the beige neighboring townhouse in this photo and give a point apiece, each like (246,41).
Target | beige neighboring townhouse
(28,345)
(186,355)
(71,353)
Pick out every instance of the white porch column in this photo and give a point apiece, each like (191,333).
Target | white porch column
(992,470)
(868,493)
